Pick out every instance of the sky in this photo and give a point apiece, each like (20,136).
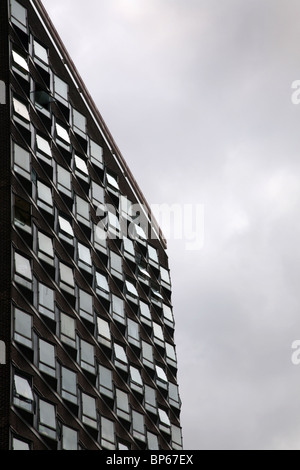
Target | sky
(198,95)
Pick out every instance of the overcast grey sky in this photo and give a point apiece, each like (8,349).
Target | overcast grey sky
(197,94)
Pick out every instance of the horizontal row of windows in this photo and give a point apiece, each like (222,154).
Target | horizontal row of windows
(42,415)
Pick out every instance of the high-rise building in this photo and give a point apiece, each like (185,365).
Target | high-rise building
(87,353)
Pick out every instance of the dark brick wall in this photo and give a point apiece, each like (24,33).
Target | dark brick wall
(5,233)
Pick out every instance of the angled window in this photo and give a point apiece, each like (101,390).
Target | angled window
(174,398)
(116,265)
(104,334)
(171,355)
(106,382)
(126,208)
(18,444)
(40,52)
(64,183)
(44,197)
(152,254)
(23,328)
(96,154)
(165,276)
(45,248)
(147,355)
(133,333)
(18,15)
(113,224)
(67,330)
(100,238)
(112,182)
(81,168)
(158,335)
(161,378)
(150,400)
(22,214)
(164,421)
(47,419)
(84,257)
(23,273)
(46,299)
(61,89)
(107,434)
(136,232)
(88,410)
(21,112)
(46,360)
(66,232)
(62,135)
(23,396)
(102,286)
(176,437)
(152,441)
(118,309)
(122,405)
(69,438)
(143,275)
(43,149)
(66,277)
(87,356)
(82,210)
(145,313)
(136,381)
(138,426)
(128,248)
(121,360)
(131,289)
(69,385)
(168,316)
(97,194)
(22,161)
(86,309)
(79,122)
(20,64)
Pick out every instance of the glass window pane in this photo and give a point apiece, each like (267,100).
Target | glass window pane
(66,274)
(20,61)
(120,353)
(152,253)
(131,288)
(136,375)
(23,266)
(164,418)
(102,282)
(17,444)
(21,109)
(96,153)
(19,12)
(112,181)
(23,388)
(84,254)
(47,414)
(103,328)
(158,332)
(40,51)
(43,145)
(98,193)
(21,157)
(128,246)
(161,373)
(65,226)
(23,327)
(79,120)
(81,165)
(61,88)
(44,193)
(67,326)
(46,297)
(64,177)
(82,208)
(69,438)
(62,133)
(165,275)
(45,244)
(47,353)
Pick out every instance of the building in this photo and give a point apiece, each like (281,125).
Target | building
(87,353)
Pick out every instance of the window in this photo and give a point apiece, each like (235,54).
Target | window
(150,400)
(44,195)
(171,354)
(22,217)
(117,307)
(152,254)
(89,413)
(61,89)
(107,434)
(47,419)
(45,248)
(69,438)
(97,194)
(69,385)
(66,230)
(165,276)
(40,52)
(100,238)
(112,182)
(113,224)
(86,305)
(43,149)
(161,378)
(137,232)
(176,437)
(23,274)
(147,355)
(101,283)
(81,168)
(138,426)
(106,382)
(116,265)
(164,421)
(128,248)
(67,330)
(174,398)
(84,257)
(87,356)
(126,208)
(121,360)
(168,316)
(104,335)
(22,161)
(46,304)
(96,153)
(158,335)
(79,122)
(47,363)
(18,15)
(122,405)
(136,381)
(143,275)
(23,396)
(21,110)
(23,328)
(130,288)
(62,135)
(133,333)
(152,440)
(82,210)
(64,181)
(20,63)
(145,313)
(18,444)
(67,282)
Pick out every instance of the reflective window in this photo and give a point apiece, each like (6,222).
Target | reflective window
(66,278)
(22,268)
(176,437)
(19,14)
(23,328)
(81,167)
(147,354)
(150,399)
(158,334)
(84,256)
(87,356)
(171,353)
(82,210)
(104,335)
(41,52)
(116,265)
(120,353)
(122,404)
(168,316)
(61,88)
(21,161)
(62,134)
(69,385)
(67,330)
(96,153)
(69,438)
(118,311)
(47,419)
(21,109)
(135,376)
(86,305)
(152,254)
(137,232)
(145,312)
(138,426)
(89,413)
(165,275)
(45,247)
(130,287)
(20,62)
(23,396)
(102,282)
(64,180)
(97,194)
(152,441)
(112,181)
(133,332)
(65,226)
(47,361)
(79,121)
(174,398)
(107,434)
(18,444)
(44,195)
(46,299)
(128,246)
(105,381)
(43,149)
